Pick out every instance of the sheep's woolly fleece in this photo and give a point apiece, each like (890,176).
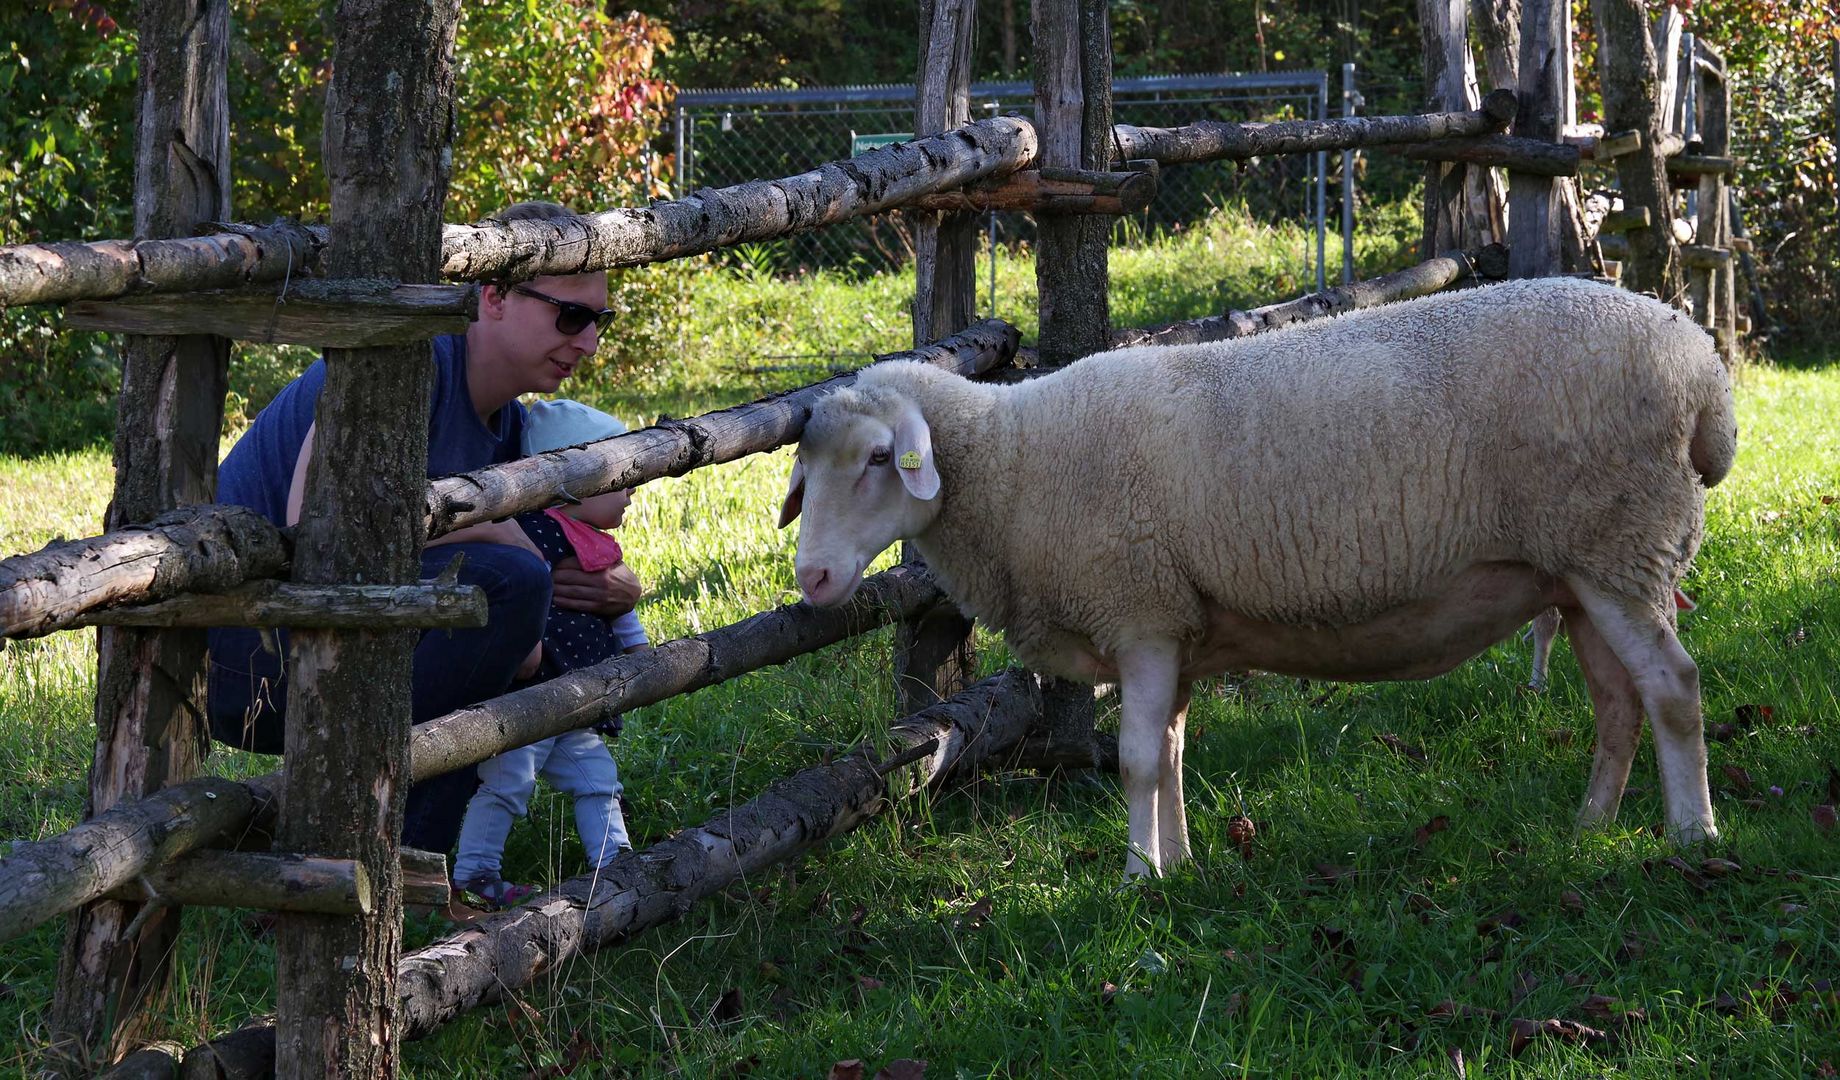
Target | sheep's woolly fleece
(1324,474)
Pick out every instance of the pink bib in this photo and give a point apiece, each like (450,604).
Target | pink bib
(593,548)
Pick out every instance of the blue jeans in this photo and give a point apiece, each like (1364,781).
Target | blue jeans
(575,763)
(452,669)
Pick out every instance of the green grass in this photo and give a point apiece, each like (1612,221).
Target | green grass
(1322,954)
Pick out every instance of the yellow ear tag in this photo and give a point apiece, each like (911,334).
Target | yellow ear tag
(910,460)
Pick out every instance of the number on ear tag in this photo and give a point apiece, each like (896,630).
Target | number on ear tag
(910,460)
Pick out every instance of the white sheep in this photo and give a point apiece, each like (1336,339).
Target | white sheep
(1378,496)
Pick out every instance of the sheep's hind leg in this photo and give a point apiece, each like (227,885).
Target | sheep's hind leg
(1665,677)
(1618,709)
(1148,683)
(1545,629)
(1171,810)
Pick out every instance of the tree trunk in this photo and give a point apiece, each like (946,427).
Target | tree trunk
(1072,58)
(1457,214)
(150,684)
(1535,211)
(1627,70)
(933,658)
(389,122)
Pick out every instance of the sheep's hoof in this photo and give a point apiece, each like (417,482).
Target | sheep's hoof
(1693,833)
(1534,686)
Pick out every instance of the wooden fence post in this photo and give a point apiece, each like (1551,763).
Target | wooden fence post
(1629,74)
(933,653)
(1713,289)
(1462,201)
(1072,59)
(150,684)
(1535,212)
(389,122)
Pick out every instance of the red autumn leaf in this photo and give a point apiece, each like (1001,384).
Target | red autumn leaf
(902,1069)
(850,1069)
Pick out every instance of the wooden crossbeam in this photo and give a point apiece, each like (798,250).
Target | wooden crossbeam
(1056,191)
(322,313)
(277,603)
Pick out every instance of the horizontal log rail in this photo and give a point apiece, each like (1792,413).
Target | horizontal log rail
(1423,279)
(1507,151)
(425,605)
(264,881)
(216,548)
(1700,165)
(45,878)
(193,549)
(1054,191)
(1212,140)
(314,311)
(675,447)
(641,890)
(882,179)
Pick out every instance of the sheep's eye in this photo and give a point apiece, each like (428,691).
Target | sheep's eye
(879,455)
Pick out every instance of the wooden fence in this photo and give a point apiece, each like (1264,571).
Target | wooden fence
(366,290)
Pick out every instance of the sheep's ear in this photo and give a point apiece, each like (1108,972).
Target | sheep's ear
(913,455)
(795,494)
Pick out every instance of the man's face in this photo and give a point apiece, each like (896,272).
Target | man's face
(534,351)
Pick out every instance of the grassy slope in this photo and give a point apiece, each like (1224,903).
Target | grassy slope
(1320,954)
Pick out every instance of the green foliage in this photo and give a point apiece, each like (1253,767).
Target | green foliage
(67,75)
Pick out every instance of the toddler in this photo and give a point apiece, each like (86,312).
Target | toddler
(576,763)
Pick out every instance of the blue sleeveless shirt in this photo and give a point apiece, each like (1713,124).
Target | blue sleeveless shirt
(260,467)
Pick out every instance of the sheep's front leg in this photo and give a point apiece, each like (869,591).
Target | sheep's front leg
(1171,810)
(1147,681)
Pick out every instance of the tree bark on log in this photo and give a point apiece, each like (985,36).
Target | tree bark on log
(1629,75)
(1536,213)
(194,549)
(1513,152)
(886,178)
(387,152)
(1213,140)
(257,880)
(316,311)
(643,889)
(423,605)
(1055,191)
(150,685)
(1423,279)
(215,548)
(41,880)
(603,691)
(675,447)
(933,657)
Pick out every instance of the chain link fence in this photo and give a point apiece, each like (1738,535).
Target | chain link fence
(729,136)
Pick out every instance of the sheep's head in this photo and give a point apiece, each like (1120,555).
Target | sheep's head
(864,478)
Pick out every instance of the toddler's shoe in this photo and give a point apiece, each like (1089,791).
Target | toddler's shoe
(493,893)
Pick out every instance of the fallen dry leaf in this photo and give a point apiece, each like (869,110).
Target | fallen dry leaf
(1435,825)
(1447,1007)
(1523,1032)
(978,911)
(866,983)
(1242,832)
(1740,779)
(1331,874)
(1720,732)
(1823,815)
(727,1007)
(1572,901)
(1719,867)
(849,1069)
(1559,736)
(1608,1009)
(1501,920)
(902,1069)
(1455,1054)
(1525,982)
(1400,746)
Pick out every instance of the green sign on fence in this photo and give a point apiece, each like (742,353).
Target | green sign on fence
(859,143)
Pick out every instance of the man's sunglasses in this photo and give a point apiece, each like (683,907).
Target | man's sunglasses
(571,318)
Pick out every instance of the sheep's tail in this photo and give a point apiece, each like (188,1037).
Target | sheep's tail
(1715,437)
